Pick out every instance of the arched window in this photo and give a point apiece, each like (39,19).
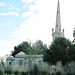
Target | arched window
(20,62)
(10,63)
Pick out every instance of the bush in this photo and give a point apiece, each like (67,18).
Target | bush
(0,72)
(69,74)
(73,73)
(58,73)
(22,73)
(35,70)
(52,74)
(16,73)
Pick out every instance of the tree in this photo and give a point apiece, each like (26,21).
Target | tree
(24,46)
(2,66)
(59,51)
(38,47)
(72,52)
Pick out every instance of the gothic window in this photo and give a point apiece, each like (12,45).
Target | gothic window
(20,62)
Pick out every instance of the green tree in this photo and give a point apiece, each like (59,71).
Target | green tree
(24,46)
(38,47)
(2,66)
(72,52)
(59,51)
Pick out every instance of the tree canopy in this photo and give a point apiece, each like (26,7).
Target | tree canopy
(24,46)
(62,50)
(36,48)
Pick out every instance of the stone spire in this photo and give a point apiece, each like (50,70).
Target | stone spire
(58,22)
(57,33)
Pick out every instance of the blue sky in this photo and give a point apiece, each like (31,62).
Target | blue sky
(31,20)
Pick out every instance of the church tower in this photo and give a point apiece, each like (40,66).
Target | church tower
(57,33)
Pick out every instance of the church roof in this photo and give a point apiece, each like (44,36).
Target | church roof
(20,54)
(10,56)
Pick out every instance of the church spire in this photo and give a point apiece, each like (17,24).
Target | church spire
(57,33)
(58,22)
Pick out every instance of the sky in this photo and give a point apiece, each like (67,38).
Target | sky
(32,20)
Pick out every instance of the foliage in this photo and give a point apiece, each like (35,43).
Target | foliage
(62,50)
(72,52)
(46,69)
(35,70)
(70,68)
(24,46)
(37,48)
(2,66)
(38,69)
(64,70)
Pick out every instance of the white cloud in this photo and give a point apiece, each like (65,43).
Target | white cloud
(34,27)
(33,10)
(13,8)
(6,47)
(24,15)
(27,1)
(10,13)
(39,25)
(2,4)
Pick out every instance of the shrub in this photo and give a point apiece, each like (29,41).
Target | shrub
(16,73)
(35,70)
(70,68)
(22,73)
(52,74)
(58,73)
(69,74)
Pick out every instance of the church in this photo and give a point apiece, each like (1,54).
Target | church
(23,61)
